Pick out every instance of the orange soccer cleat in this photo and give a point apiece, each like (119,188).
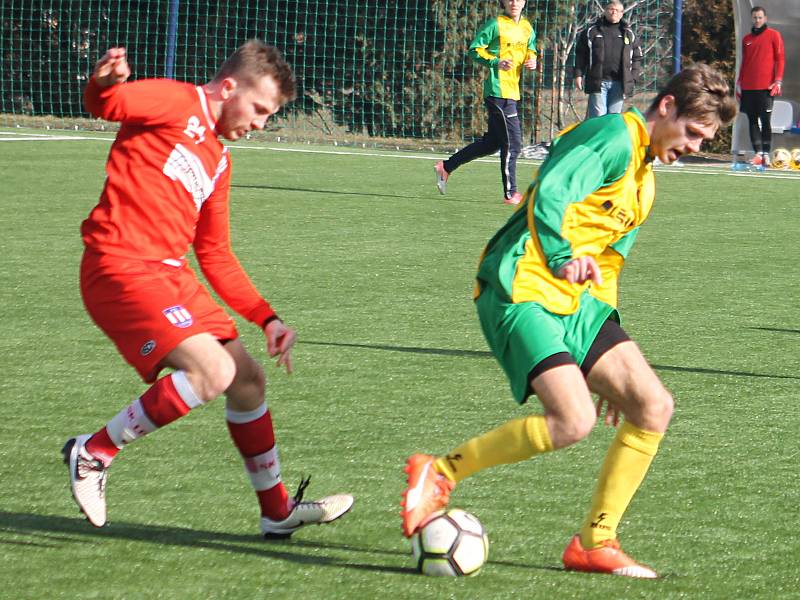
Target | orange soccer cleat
(514,199)
(427,492)
(608,558)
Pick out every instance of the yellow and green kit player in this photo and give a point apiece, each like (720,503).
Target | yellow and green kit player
(546,297)
(504,45)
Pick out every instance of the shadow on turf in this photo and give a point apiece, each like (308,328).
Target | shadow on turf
(411,349)
(48,529)
(778,329)
(319,191)
(485,354)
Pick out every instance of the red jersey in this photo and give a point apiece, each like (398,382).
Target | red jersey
(762,60)
(167,185)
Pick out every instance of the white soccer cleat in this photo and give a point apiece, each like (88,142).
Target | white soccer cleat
(441,177)
(316,512)
(87,477)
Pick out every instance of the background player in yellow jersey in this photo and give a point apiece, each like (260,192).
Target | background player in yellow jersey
(546,297)
(504,45)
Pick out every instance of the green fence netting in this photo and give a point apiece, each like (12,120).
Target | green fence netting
(369,72)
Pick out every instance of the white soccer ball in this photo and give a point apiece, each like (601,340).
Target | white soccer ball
(781,158)
(451,542)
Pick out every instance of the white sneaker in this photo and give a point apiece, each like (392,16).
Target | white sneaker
(441,177)
(87,477)
(317,512)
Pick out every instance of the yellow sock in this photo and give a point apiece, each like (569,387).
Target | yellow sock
(511,442)
(625,466)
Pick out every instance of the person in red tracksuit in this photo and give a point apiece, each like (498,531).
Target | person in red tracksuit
(166,190)
(759,81)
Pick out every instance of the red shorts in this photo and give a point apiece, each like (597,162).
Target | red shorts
(147,308)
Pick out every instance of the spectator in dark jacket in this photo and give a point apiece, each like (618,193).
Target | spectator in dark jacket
(607,61)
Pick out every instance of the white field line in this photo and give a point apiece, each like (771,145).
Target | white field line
(695,170)
(55,138)
(13,136)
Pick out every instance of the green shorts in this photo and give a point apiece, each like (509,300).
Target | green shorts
(523,335)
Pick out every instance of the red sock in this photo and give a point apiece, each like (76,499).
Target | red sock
(253,435)
(162,402)
(160,405)
(274,502)
(101,447)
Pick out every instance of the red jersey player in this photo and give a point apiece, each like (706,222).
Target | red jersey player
(167,185)
(759,81)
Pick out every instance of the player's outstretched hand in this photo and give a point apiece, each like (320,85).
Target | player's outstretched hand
(612,412)
(112,68)
(280,340)
(581,269)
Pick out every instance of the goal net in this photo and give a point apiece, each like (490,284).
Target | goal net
(369,72)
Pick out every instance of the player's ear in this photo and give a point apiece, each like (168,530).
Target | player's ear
(227,88)
(666,105)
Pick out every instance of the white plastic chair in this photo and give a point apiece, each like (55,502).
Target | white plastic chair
(782,116)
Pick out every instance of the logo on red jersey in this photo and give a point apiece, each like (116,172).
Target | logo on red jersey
(178,316)
(185,166)
(195,131)
(147,347)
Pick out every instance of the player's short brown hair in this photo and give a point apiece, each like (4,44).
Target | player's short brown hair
(253,60)
(701,94)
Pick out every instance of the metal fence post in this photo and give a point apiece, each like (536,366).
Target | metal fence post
(172,39)
(677,23)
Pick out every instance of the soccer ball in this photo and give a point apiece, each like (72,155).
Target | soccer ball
(794,163)
(451,542)
(781,158)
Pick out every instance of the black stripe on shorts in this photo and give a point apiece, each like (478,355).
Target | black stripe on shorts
(610,334)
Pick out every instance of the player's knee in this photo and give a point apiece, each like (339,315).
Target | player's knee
(657,411)
(253,376)
(575,426)
(216,378)
(583,424)
(247,390)
(664,407)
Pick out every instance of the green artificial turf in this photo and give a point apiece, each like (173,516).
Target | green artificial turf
(374,269)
